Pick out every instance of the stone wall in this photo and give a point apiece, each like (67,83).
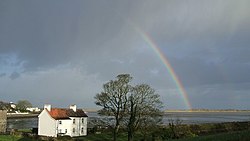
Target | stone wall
(3,121)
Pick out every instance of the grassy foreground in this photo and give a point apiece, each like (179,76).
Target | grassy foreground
(13,138)
(231,136)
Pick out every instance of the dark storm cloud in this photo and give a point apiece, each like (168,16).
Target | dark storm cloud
(206,42)
(222,96)
(14,75)
(2,74)
(49,33)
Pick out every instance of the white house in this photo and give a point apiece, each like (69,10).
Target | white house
(55,122)
(12,105)
(33,109)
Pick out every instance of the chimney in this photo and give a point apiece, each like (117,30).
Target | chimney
(73,107)
(48,107)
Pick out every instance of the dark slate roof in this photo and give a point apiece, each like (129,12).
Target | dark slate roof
(58,113)
(78,113)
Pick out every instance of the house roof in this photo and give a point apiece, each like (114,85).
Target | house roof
(58,113)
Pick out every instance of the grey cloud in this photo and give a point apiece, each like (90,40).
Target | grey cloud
(191,20)
(49,33)
(55,86)
(14,75)
(206,42)
(2,75)
(61,33)
(222,96)
(200,72)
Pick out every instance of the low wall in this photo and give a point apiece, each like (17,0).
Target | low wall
(3,121)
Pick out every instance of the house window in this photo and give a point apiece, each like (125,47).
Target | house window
(74,130)
(65,130)
(74,121)
(82,120)
(82,130)
(60,122)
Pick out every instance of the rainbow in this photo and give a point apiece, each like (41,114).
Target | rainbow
(166,63)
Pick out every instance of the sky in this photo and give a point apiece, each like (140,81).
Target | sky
(61,52)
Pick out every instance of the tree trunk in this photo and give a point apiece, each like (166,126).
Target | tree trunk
(115,135)
(116,131)
(131,121)
(130,135)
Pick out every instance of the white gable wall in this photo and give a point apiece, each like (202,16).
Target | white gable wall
(46,124)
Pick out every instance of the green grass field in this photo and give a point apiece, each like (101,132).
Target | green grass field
(13,138)
(232,136)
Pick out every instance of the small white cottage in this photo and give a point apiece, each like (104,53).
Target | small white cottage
(55,122)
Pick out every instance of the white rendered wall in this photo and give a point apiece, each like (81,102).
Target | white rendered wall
(65,124)
(84,126)
(46,125)
(78,126)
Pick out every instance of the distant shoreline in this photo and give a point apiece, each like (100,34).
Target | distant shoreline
(205,111)
(22,116)
(194,110)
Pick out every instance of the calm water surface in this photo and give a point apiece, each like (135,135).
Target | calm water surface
(207,117)
(185,117)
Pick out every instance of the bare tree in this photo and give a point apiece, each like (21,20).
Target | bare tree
(114,100)
(130,106)
(144,108)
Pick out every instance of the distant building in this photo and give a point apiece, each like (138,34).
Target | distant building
(55,122)
(33,109)
(3,121)
(12,105)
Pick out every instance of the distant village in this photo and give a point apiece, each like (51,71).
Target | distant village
(22,107)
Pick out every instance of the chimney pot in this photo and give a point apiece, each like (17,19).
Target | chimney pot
(73,107)
(47,106)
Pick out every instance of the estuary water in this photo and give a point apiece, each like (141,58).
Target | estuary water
(206,117)
(184,117)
